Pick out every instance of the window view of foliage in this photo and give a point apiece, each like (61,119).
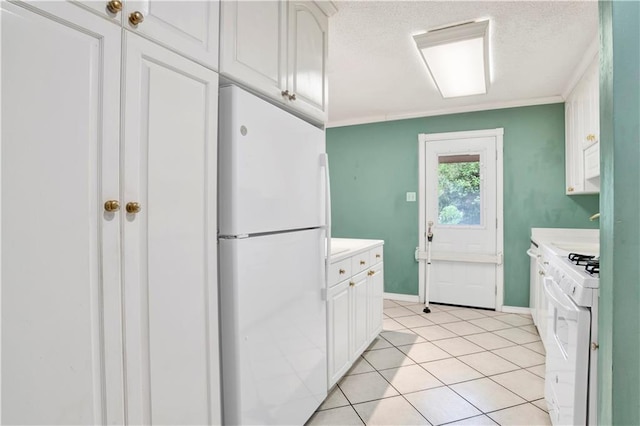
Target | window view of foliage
(459,193)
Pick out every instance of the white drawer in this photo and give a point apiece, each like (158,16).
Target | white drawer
(376,255)
(360,262)
(339,271)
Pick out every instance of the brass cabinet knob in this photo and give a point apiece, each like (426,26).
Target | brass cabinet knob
(570,189)
(133,207)
(136,18)
(111,206)
(378,256)
(287,94)
(362,262)
(114,6)
(541,272)
(342,271)
(351,283)
(371,273)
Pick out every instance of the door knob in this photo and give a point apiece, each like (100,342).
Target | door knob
(136,18)
(111,206)
(114,6)
(133,207)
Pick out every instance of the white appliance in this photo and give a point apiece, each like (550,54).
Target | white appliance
(571,341)
(273,225)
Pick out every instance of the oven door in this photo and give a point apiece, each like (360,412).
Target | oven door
(567,362)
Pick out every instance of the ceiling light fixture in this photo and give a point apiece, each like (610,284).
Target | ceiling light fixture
(457,58)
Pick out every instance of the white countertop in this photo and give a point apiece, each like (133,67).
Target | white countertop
(342,248)
(562,241)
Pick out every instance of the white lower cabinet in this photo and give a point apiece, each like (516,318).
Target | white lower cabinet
(109,294)
(354,310)
(359,307)
(339,321)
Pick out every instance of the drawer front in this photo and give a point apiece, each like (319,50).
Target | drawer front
(360,262)
(376,255)
(339,271)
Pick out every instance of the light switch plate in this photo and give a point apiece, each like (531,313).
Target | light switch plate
(411,196)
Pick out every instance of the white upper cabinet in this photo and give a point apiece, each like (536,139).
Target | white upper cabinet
(253,44)
(307,47)
(110,9)
(190,28)
(279,49)
(582,134)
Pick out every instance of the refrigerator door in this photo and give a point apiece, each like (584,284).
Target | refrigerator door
(271,167)
(273,323)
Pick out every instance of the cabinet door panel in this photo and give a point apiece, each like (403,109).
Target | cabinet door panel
(188,27)
(339,324)
(359,302)
(376,291)
(307,57)
(170,245)
(61,350)
(253,44)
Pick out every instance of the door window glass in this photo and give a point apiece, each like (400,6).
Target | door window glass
(459,190)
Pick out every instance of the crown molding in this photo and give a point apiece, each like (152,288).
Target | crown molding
(589,54)
(446,111)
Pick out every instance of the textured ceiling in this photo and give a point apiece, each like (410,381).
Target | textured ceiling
(376,73)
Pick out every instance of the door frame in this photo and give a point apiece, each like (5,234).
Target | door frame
(423,139)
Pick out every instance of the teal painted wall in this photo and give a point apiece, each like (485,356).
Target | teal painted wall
(374,165)
(619,319)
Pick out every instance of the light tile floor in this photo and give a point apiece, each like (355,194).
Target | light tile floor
(455,366)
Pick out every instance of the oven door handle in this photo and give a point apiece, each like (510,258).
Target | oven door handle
(550,293)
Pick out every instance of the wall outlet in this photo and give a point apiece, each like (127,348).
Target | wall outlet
(411,196)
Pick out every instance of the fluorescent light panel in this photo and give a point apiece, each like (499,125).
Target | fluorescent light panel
(457,58)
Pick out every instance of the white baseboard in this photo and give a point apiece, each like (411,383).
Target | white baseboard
(516,310)
(402,297)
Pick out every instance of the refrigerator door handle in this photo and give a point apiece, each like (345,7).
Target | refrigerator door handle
(324,162)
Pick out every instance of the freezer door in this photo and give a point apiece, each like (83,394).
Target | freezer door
(271,175)
(273,327)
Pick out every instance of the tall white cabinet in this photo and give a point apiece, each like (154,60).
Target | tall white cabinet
(108,211)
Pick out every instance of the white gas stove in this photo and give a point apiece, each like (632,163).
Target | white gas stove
(571,285)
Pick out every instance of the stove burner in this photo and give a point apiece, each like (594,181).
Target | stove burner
(593,266)
(580,259)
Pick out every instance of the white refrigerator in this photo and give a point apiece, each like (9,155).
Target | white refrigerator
(273,223)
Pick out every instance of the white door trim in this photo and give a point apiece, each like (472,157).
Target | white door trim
(423,138)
